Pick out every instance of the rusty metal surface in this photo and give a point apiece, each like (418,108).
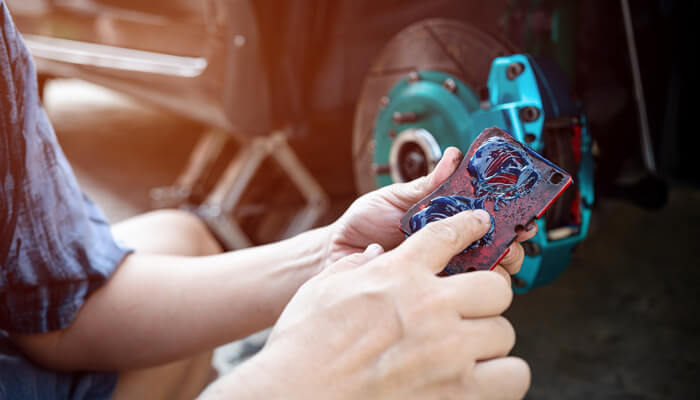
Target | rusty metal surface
(434,44)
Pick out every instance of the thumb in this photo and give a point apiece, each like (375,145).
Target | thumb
(434,245)
(356,259)
(404,195)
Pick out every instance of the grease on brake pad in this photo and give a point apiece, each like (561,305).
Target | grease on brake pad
(502,176)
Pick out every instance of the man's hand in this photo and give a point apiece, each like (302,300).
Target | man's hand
(375,217)
(381,325)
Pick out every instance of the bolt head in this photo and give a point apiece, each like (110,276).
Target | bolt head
(239,40)
(529,114)
(384,101)
(450,85)
(413,77)
(514,70)
(531,248)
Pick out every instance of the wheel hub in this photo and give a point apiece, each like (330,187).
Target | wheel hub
(414,153)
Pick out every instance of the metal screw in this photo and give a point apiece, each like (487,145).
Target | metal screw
(384,101)
(450,85)
(531,248)
(239,40)
(381,169)
(517,282)
(514,70)
(484,95)
(392,133)
(413,77)
(529,138)
(529,114)
(405,117)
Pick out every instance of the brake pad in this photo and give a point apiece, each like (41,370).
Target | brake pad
(502,176)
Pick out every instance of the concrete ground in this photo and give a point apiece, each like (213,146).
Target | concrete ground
(620,323)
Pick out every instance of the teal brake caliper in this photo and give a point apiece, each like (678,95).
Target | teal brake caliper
(429,111)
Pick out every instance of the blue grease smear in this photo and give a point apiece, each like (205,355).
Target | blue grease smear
(446,206)
(501,171)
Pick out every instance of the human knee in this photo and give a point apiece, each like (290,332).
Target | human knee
(188,228)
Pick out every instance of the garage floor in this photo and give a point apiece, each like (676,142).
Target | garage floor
(621,323)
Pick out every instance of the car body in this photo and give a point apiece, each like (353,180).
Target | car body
(242,66)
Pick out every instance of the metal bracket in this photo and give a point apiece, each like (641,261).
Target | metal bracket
(205,152)
(217,209)
(645,135)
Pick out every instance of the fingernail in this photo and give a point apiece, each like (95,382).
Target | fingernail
(483,216)
(530,226)
(374,248)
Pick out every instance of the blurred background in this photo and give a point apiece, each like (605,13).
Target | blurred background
(266,118)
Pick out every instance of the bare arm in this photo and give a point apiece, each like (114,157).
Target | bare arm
(157,309)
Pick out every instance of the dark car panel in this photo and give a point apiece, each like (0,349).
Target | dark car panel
(181,55)
(243,66)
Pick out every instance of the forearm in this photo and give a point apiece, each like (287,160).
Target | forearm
(250,381)
(157,309)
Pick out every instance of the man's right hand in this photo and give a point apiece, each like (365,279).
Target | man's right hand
(383,326)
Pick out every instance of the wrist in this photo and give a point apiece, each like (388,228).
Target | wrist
(242,383)
(317,247)
(257,378)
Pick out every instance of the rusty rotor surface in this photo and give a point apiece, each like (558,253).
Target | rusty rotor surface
(444,45)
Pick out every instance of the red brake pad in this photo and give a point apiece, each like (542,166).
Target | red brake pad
(502,176)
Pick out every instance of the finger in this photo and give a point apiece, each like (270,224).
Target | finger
(503,273)
(501,378)
(480,293)
(445,167)
(527,232)
(490,337)
(514,259)
(404,195)
(356,259)
(435,244)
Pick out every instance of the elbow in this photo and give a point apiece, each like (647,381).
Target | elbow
(47,350)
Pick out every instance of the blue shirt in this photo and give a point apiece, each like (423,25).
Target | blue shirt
(56,247)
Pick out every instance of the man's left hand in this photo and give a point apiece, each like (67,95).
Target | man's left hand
(375,217)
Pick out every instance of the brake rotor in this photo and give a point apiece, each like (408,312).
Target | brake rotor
(447,46)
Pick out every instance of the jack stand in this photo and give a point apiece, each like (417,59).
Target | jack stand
(217,209)
(202,158)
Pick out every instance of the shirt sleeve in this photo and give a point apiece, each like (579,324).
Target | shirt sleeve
(56,247)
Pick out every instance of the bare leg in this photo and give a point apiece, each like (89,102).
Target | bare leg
(177,233)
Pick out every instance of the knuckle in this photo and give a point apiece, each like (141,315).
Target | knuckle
(397,263)
(474,228)
(507,331)
(421,184)
(502,289)
(446,231)
(521,375)
(498,286)
(473,222)
(503,272)
(444,299)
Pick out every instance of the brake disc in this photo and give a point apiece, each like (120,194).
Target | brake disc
(447,46)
